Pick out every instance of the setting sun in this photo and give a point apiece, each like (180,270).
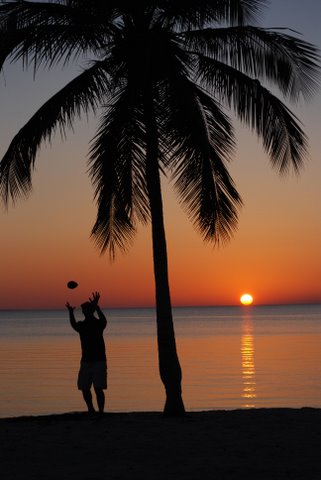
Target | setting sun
(246,299)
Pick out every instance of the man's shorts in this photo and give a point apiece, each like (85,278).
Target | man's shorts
(92,373)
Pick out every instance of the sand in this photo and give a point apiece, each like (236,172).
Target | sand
(252,444)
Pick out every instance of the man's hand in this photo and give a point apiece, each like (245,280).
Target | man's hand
(70,308)
(94,299)
(72,319)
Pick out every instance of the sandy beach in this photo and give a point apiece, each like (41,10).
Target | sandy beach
(260,444)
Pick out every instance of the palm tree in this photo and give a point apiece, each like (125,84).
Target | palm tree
(159,73)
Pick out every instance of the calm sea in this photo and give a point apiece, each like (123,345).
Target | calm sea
(231,357)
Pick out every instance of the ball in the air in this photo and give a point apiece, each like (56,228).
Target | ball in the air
(72,284)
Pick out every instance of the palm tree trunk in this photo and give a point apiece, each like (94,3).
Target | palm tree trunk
(169,366)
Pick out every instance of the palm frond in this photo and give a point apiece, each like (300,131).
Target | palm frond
(48,33)
(117,169)
(8,44)
(289,62)
(191,14)
(209,196)
(199,138)
(283,138)
(83,93)
(236,12)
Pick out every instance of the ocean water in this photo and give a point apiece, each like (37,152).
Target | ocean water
(231,357)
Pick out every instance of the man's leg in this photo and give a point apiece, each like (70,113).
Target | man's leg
(88,399)
(100,399)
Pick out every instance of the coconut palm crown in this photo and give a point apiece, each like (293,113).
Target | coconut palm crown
(160,74)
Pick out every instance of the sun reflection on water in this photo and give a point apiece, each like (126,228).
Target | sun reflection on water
(248,363)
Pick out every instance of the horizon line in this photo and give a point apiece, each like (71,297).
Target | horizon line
(245,307)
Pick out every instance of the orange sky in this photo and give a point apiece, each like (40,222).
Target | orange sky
(44,242)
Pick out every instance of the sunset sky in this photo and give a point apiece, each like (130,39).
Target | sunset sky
(275,254)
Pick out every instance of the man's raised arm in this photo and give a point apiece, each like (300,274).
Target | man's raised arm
(94,301)
(72,319)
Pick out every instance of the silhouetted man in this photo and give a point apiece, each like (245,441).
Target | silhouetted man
(93,365)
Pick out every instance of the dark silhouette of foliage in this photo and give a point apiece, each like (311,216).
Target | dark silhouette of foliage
(160,74)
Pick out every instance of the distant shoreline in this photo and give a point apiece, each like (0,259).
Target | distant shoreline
(106,307)
(271,444)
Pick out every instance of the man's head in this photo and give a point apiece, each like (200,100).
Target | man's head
(87,308)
